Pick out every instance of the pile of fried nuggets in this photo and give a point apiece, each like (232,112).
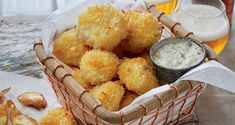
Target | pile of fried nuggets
(108,51)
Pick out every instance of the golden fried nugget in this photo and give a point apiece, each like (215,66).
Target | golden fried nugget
(137,75)
(109,94)
(9,104)
(3,114)
(128,98)
(146,56)
(98,66)
(143,29)
(16,117)
(78,77)
(33,99)
(102,27)
(58,116)
(2,94)
(14,112)
(68,48)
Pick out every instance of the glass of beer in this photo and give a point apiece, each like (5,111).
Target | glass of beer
(166,6)
(206,19)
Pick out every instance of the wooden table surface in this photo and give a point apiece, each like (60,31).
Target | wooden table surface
(17,35)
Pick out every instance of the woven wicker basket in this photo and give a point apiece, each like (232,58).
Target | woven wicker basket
(166,108)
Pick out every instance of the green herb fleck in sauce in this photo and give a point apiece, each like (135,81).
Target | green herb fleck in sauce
(179,54)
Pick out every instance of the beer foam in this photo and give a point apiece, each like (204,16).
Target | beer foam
(205,21)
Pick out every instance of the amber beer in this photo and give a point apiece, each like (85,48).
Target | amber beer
(167,6)
(209,23)
(219,44)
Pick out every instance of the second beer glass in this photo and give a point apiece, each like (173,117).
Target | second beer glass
(206,19)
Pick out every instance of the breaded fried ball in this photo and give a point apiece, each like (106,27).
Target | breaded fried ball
(58,116)
(143,30)
(3,115)
(102,27)
(137,75)
(78,77)
(109,94)
(146,56)
(68,48)
(98,66)
(128,98)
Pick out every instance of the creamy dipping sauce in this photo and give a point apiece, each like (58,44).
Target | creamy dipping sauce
(179,54)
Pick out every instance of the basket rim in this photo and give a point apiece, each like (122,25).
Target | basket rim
(121,117)
(84,97)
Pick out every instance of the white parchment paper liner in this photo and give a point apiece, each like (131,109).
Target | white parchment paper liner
(20,84)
